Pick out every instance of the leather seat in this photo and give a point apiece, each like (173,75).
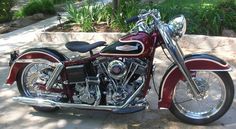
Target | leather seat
(81,46)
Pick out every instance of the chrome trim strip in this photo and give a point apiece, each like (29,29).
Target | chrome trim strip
(37,61)
(220,70)
(76,82)
(163,108)
(75,66)
(54,76)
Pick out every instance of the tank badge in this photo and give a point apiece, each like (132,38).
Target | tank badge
(127,48)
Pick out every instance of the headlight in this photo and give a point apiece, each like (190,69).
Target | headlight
(177,26)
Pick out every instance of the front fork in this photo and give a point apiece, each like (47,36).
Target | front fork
(178,57)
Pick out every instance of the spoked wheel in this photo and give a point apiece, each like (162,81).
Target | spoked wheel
(29,80)
(217,91)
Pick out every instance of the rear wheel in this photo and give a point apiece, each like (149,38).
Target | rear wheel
(217,91)
(29,80)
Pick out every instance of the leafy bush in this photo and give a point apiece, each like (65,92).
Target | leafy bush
(89,14)
(34,7)
(80,16)
(126,10)
(5,10)
(207,17)
(203,17)
(86,15)
(228,14)
(73,12)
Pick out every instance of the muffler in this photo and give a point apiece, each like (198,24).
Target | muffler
(50,103)
(35,101)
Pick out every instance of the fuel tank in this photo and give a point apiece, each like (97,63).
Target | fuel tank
(131,45)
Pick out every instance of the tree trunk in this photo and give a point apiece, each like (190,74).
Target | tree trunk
(116,4)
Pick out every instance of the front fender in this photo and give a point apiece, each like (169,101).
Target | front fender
(193,62)
(35,53)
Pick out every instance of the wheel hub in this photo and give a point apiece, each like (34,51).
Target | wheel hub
(203,87)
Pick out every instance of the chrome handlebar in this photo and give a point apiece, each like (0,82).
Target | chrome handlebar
(141,25)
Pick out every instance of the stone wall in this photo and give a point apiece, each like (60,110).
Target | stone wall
(224,47)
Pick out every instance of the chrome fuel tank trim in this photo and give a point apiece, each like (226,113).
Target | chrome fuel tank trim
(126,43)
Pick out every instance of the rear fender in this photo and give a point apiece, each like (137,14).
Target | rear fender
(31,55)
(196,62)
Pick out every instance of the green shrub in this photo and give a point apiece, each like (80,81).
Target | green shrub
(18,14)
(80,16)
(34,7)
(73,13)
(126,10)
(85,15)
(105,14)
(228,14)
(207,17)
(89,14)
(5,10)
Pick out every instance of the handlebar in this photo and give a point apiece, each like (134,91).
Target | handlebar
(153,13)
(132,19)
(141,24)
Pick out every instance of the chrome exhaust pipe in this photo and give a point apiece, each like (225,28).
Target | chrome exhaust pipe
(49,103)
(35,101)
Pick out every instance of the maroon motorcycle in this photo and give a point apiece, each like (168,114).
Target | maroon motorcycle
(196,88)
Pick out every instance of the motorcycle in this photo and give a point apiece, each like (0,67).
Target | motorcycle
(196,88)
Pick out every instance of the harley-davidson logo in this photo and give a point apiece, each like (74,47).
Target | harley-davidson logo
(127,48)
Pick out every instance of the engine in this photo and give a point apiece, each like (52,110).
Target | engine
(87,92)
(113,84)
(117,69)
(123,76)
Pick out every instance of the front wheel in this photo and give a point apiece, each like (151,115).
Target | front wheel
(217,91)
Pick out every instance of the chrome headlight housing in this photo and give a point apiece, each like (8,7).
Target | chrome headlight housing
(177,26)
